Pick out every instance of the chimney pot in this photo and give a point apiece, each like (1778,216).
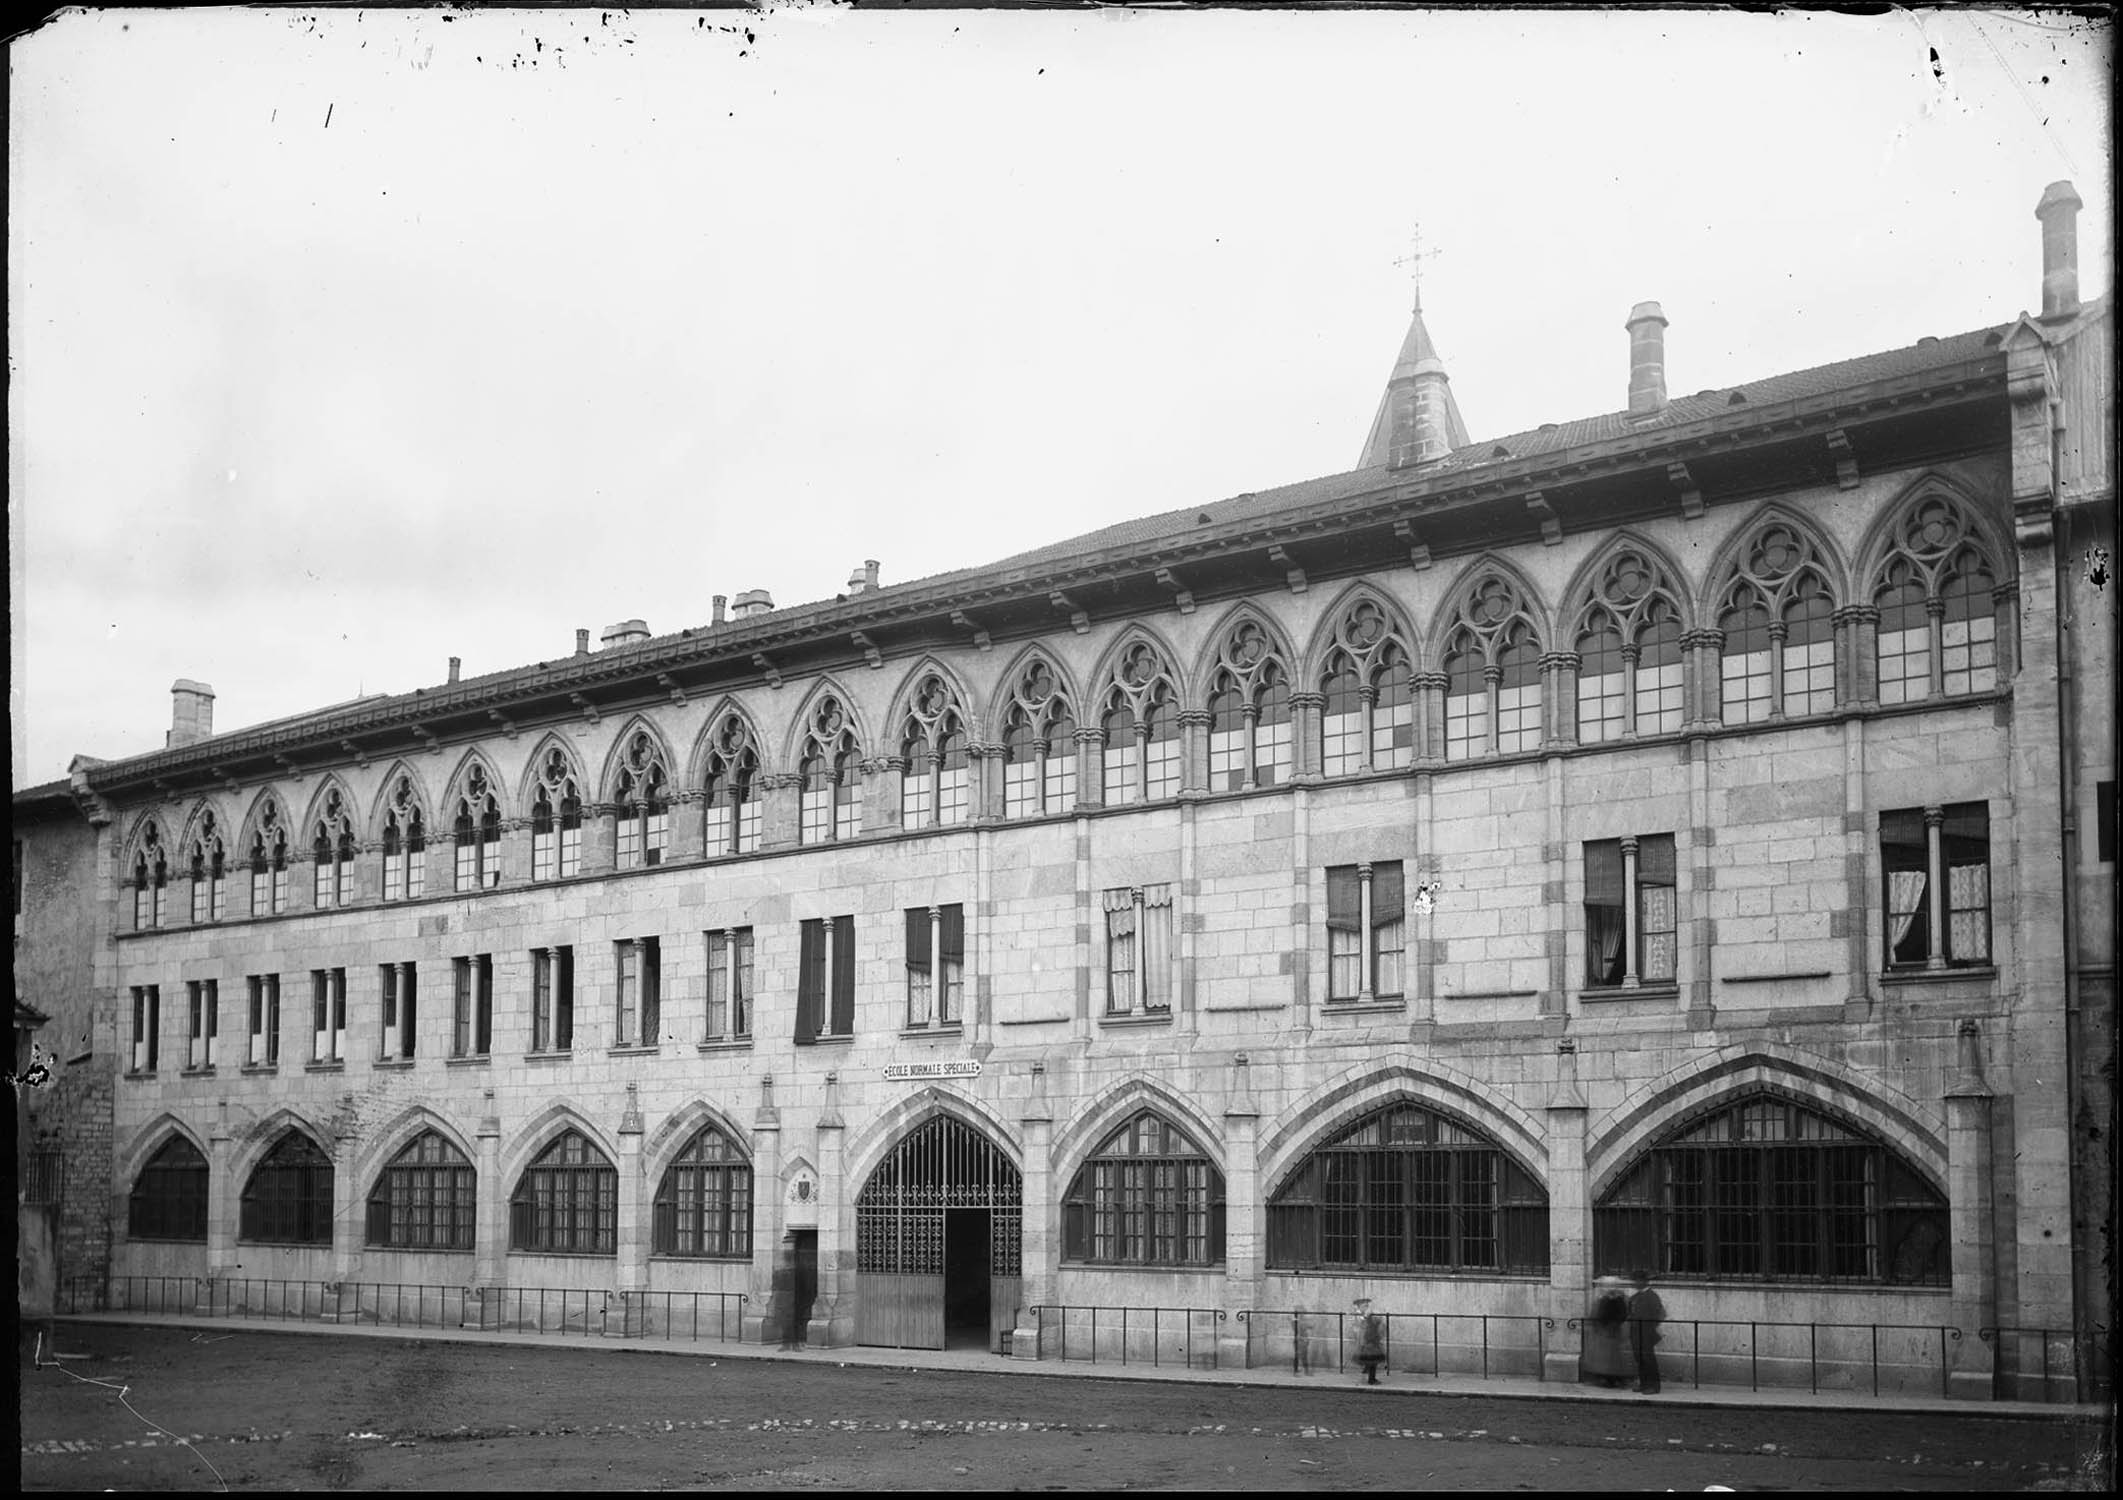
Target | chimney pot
(857,581)
(624,633)
(751,602)
(869,573)
(2059,213)
(721,602)
(582,643)
(456,665)
(191,713)
(1647,359)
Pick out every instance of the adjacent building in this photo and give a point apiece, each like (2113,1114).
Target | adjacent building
(1679,838)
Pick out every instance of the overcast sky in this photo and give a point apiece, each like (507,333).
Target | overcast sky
(346,342)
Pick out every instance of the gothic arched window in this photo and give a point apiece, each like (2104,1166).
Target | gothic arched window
(556,821)
(1148,1196)
(641,814)
(169,1196)
(332,852)
(1777,616)
(1141,723)
(566,1201)
(832,777)
(733,790)
(151,874)
(404,845)
(1629,653)
(1039,746)
(935,786)
(1765,1188)
(1492,674)
(269,863)
(426,1199)
(478,834)
(209,872)
(1409,1189)
(1938,633)
(703,1206)
(1249,712)
(1369,718)
(288,1200)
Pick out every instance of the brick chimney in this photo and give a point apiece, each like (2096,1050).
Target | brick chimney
(722,602)
(2059,213)
(582,643)
(1647,360)
(191,713)
(456,667)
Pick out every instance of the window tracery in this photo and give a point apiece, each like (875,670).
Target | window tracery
(1777,616)
(642,816)
(1492,674)
(733,789)
(1368,682)
(832,781)
(332,852)
(1938,621)
(404,844)
(556,820)
(1039,746)
(478,833)
(1249,712)
(151,874)
(269,862)
(936,784)
(1630,676)
(209,872)
(1140,718)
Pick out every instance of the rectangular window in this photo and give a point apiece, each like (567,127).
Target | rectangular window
(1161,765)
(398,984)
(1138,950)
(1124,756)
(638,962)
(147,1025)
(472,1009)
(1631,915)
(730,984)
(825,984)
(1365,930)
(204,1025)
(1935,864)
(264,1032)
(553,999)
(328,1014)
(817,809)
(936,959)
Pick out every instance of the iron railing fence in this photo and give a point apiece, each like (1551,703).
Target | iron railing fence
(590,1311)
(1155,1336)
(1832,1356)
(2055,1355)
(1487,1344)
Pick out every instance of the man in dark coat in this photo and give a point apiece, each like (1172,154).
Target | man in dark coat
(1646,1312)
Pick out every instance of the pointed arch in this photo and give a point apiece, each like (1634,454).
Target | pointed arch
(799,733)
(1939,575)
(1531,603)
(542,1129)
(1101,677)
(1616,1140)
(554,801)
(254,1140)
(961,693)
(204,853)
(402,778)
(876,1141)
(662,1145)
(153,1136)
(933,728)
(1772,590)
(472,810)
(266,800)
(401,1130)
(1888,532)
(622,759)
(155,821)
(1136,1092)
(534,774)
(1247,674)
(1036,713)
(328,834)
(1006,686)
(1626,614)
(202,808)
(1815,545)
(1212,656)
(1327,632)
(474,761)
(698,1172)
(1491,636)
(731,707)
(1365,1087)
(1140,694)
(1593,582)
(313,813)
(728,771)
(828,751)
(1362,661)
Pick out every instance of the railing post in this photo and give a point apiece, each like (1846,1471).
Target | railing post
(1754,1358)
(1813,1355)
(1876,1361)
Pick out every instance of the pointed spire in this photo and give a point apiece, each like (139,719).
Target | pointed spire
(1417,419)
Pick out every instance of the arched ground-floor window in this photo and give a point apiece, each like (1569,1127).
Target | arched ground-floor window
(704,1204)
(1147,1196)
(1765,1188)
(1409,1189)
(567,1201)
(426,1199)
(169,1196)
(288,1200)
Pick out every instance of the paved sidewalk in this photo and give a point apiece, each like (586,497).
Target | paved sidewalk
(1392,1383)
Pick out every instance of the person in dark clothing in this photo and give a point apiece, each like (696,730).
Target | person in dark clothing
(1371,1341)
(1646,1313)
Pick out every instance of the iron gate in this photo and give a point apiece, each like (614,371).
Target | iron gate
(900,1233)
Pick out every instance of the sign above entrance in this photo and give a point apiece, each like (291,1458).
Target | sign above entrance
(904,1072)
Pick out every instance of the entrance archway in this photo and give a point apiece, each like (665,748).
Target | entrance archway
(937,1241)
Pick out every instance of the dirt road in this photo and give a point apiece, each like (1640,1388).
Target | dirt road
(289,1411)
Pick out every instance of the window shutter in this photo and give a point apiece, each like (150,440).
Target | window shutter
(843,975)
(1386,893)
(811,981)
(1654,859)
(1603,873)
(954,933)
(1344,904)
(918,938)
(380,1219)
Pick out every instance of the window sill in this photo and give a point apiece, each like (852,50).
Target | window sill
(725,1044)
(477,1060)
(827,1039)
(564,1254)
(393,1064)
(1387,1005)
(939,1028)
(329,1066)
(139,1073)
(1128,1019)
(547,1059)
(420,1249)
(680,1257)
(634,1049)
(1967,973)
(202,1072)
(260,1070)
(1411,1273)
(1607,994)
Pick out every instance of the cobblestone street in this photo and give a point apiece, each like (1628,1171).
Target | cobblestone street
(166,1408)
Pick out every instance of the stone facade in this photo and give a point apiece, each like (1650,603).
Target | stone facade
(1778,969)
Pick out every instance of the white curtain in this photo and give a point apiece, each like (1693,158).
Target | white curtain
(1905,898)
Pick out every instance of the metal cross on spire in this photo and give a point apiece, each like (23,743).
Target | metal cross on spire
(1413,260)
